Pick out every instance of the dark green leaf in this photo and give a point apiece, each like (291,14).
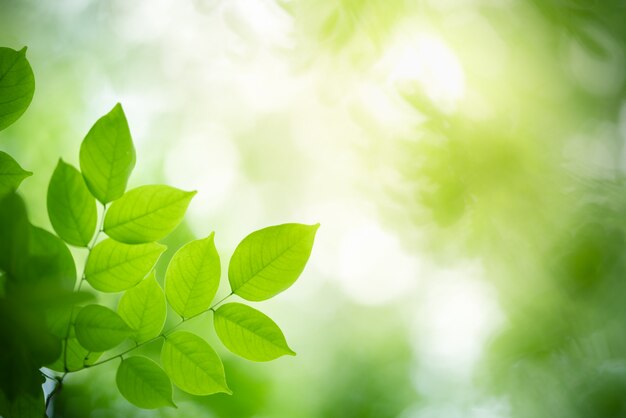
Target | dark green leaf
(50,262)
(23,406)
(76,357)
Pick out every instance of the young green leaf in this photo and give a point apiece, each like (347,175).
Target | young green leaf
(107,156)
(143,383)
(147,213)
(270,260)
(71,207)
(99,329)
(11,174)
(143,307)
(193,276)
(250,333)
(17,85)
(193,365)
(114,267)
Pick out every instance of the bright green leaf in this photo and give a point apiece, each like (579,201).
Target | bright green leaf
(250,333)
(270,260)
(71,207)
(143,307)
(17,85)
(143,383)
(147,213)
(107,156)
(11,174)
(99,328)
(193,276)
(114,267)
(193,365)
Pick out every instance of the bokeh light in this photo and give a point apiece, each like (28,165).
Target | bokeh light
(465,159)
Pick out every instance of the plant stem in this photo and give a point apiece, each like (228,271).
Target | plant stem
(80,283)
(55,391)
(162,335)
(86,366)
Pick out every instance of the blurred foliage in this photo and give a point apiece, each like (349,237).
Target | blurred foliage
(547,225)
(524,174)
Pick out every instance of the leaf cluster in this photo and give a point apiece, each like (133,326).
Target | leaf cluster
(67,330)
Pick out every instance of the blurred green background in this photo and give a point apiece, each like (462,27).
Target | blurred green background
(464,157)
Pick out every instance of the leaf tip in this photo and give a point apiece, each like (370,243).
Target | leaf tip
(23,50)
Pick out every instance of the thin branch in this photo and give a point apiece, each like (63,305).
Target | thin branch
(162,335)
(80,283)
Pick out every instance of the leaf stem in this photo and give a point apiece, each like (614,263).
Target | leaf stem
(80,284)
(54,392)
(221,300)
(86,366)
(161,335)
(46,375)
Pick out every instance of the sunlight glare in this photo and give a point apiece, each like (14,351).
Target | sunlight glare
(374,268)
(425,62)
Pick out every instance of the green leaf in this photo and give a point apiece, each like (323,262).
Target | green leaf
(99,328)
(193,365)
(17,85)
(114,267)
(50,262)
(77,357)
(14,233)
(270,260)
(143,383)
(250,333)
(22,404)
(147,213)
(107,156)
(193,276)
(143,307)
(11,174)
(71,207)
